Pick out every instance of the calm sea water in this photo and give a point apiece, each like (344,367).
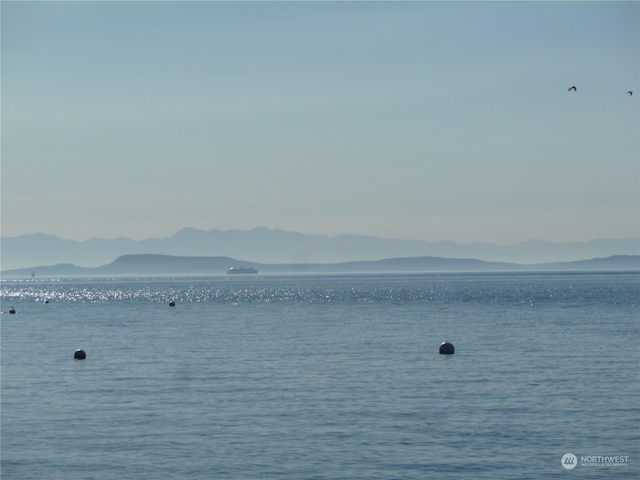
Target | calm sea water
(321,377)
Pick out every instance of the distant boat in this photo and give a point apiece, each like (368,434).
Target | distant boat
(241,270)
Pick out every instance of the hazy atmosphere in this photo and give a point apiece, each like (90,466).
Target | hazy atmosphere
(411,120)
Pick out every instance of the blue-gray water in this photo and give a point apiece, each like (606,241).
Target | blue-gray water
(321,377)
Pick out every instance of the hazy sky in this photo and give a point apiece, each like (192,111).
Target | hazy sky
(423,120)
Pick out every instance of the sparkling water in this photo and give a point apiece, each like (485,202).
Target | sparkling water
(322,377)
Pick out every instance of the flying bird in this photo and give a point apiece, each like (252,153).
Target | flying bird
(573,88)
(629,93)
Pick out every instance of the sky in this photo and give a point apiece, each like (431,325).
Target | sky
(416,120)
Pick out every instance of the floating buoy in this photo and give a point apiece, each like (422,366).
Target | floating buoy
(12,311)
(80,355)
(172,303)
(446,348)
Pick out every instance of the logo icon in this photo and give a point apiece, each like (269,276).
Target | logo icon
(569,461)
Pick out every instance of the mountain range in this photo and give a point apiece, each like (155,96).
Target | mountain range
(273,246)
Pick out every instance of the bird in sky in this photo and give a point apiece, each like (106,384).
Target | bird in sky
(573,88)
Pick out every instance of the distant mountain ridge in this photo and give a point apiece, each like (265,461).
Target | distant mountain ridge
(263,245)
(153,264)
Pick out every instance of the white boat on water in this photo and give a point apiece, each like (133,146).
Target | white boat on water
(241,270)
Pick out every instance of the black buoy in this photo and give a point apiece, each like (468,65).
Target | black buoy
(80,355)
(446,348)
(172,303)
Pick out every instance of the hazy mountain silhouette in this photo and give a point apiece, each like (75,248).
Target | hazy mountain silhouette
(262,245)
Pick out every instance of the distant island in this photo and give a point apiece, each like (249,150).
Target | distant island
(152,264)
(273,246)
